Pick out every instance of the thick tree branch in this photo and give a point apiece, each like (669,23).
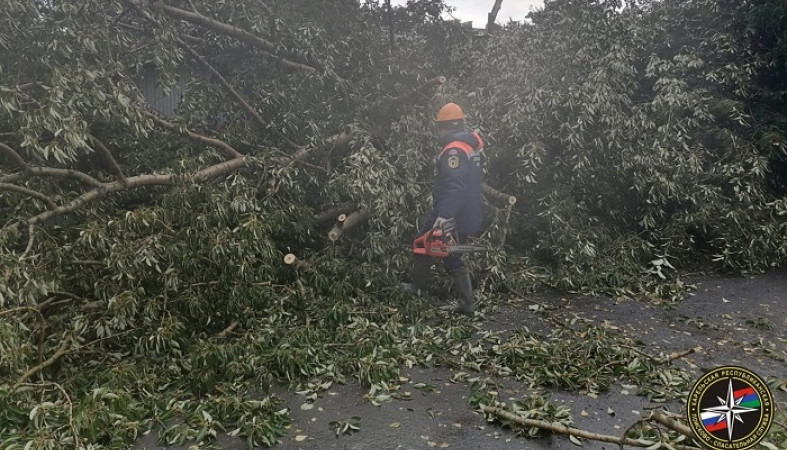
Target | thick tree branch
(104,151)
(52,172)
(215,25)
(313,166)
(298,264)
(569,431)
(129,27)
(672,357)
(41,171)
(506,227)
(62,350)
(219,169)
(298,66)
(289,59)
(141,180)
(347,222)
(29,192)
(65,173)
(221,145)
(492,16)
(338,140)
(299,155)
(291,260)
(223,81)
(671,423)
(134,182)
(15,158)
(31,235)
(502,196)
(225,332)
(332,213)
(25,309)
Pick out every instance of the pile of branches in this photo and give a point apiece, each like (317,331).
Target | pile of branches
(182,184)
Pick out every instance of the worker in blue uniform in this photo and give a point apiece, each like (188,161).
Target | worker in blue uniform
(456,195)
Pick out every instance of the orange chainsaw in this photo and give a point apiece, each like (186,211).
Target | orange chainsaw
(439,242)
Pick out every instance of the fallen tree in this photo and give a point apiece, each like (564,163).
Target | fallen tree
(159,161)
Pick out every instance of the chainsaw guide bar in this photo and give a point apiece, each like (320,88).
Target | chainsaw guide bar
(439,242)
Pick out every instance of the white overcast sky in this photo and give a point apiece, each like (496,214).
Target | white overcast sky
(477,10)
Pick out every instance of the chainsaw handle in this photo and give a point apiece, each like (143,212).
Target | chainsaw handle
(431,244)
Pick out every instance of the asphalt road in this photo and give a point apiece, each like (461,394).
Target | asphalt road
(734,321)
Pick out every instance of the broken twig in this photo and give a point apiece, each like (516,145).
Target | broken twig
(570,431)
(673,356)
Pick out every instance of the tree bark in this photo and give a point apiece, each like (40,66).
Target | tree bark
(52,172)
(671,423)
(337,140)
(246,107)
(108,157)
(225,332)
(289,59)
(332,213)
(677,355)
(291,260)
(134,182)
(31,235)
(62,350)
(221,145)
(569,431)
(502,196)
(29,192)
(390,25)
(349,221)
(15,158)
(355,218)
(490,21)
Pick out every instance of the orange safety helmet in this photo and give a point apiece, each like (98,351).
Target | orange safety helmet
(450,112)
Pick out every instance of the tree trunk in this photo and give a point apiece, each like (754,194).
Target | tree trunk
(490,22)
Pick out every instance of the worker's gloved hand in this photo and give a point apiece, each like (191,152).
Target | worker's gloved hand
(438,222)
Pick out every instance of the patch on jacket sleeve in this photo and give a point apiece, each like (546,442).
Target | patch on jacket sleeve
(453,161)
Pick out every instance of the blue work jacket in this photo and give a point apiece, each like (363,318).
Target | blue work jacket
(457,187)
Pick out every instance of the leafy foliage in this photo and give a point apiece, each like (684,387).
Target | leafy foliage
(588,359)
(630,137)
(640,141)
(531,407)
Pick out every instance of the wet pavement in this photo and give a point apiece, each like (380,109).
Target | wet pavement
(731,320)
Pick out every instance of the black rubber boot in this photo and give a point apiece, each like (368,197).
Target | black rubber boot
(466,304)
(420,276)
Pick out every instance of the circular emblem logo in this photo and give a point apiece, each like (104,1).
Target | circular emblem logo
(453,161)
(730,408)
